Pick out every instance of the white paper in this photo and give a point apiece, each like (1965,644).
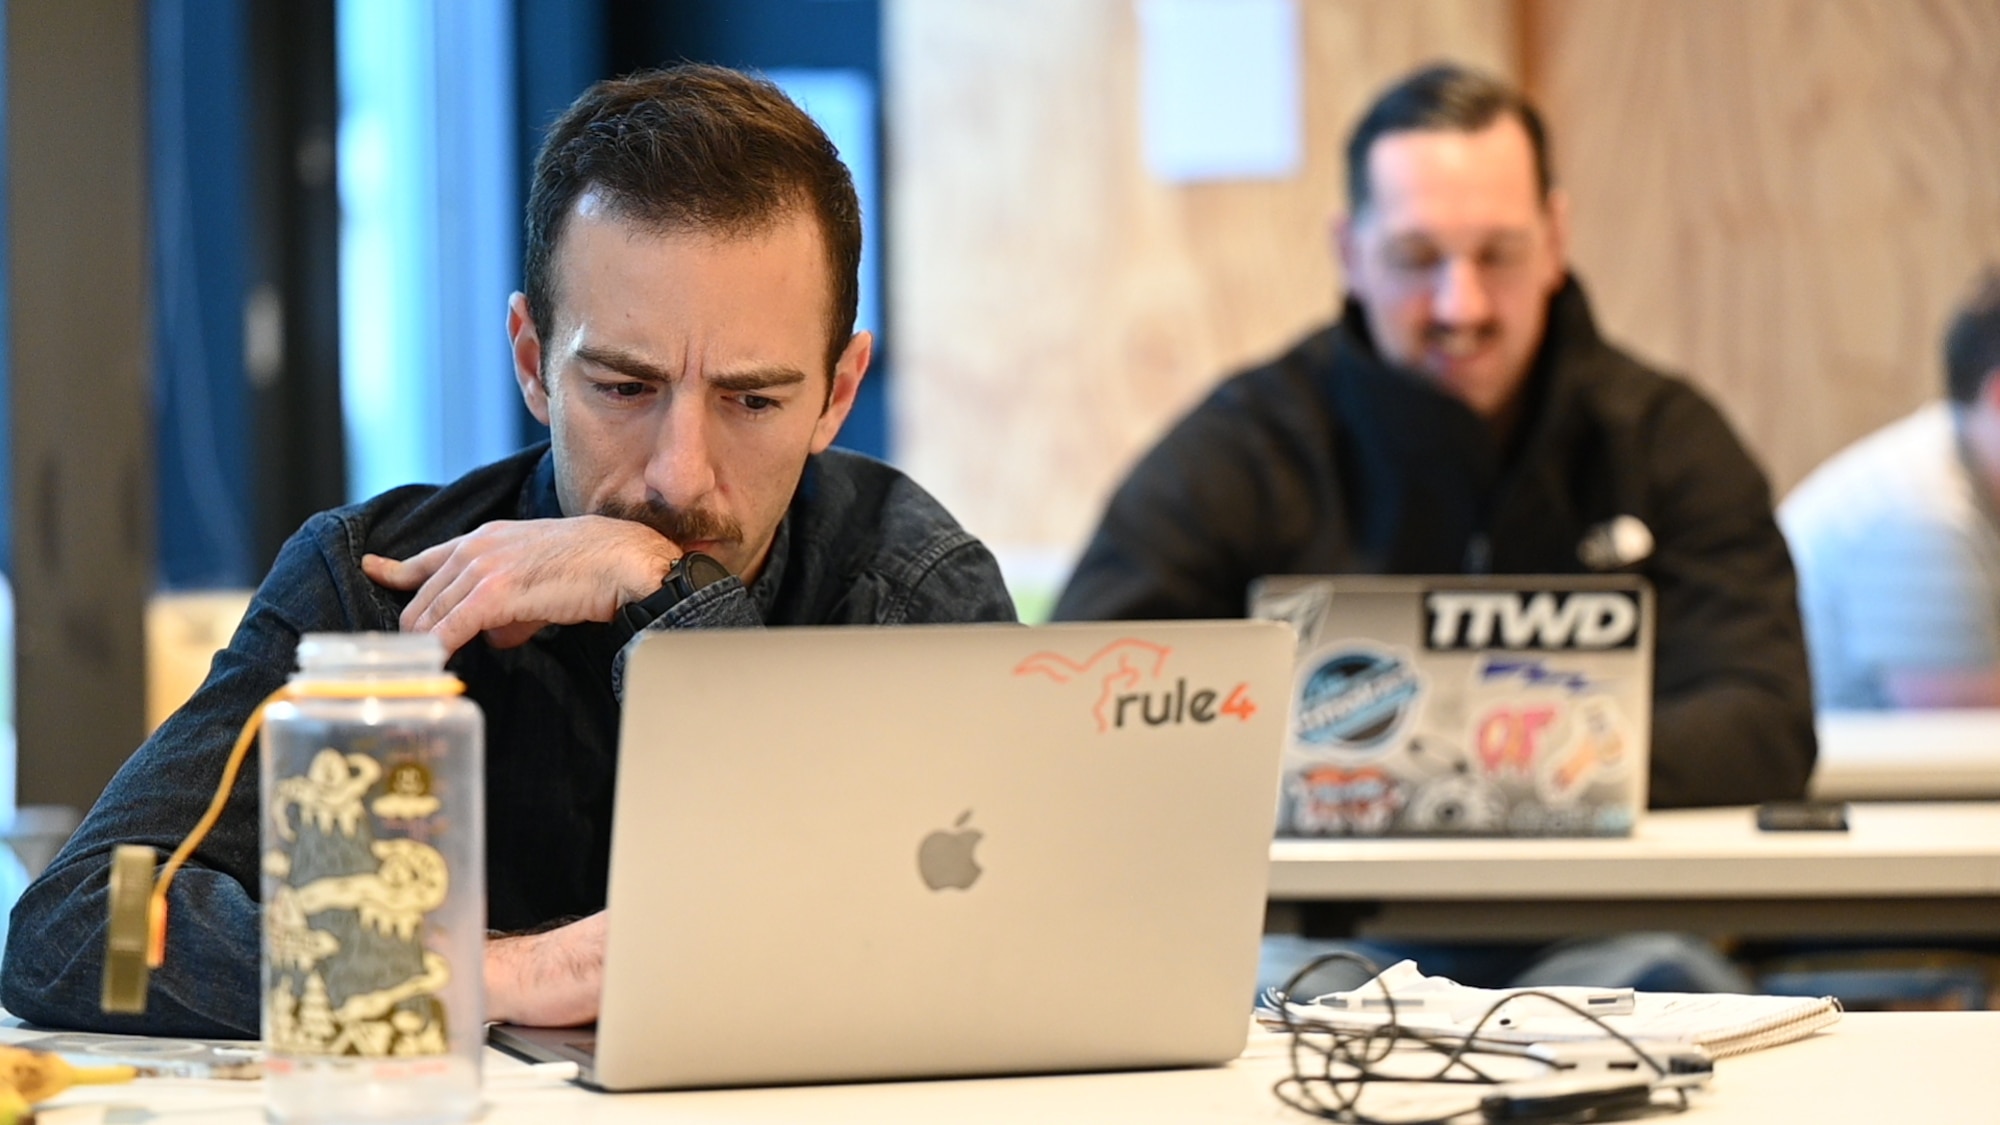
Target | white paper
(1221,90)
(1722,1023)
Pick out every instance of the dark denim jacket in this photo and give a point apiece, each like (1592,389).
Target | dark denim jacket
(860,545)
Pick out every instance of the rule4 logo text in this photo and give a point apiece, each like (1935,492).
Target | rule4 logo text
(1134,689)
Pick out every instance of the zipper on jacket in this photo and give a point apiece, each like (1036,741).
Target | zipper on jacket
(1479,554)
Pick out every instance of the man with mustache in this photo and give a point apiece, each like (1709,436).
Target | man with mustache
(1464,416)
(686,331)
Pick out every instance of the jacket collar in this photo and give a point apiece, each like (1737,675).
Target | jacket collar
(1424,422)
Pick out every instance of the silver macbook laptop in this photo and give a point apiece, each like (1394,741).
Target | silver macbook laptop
(1453,705)
(849,854)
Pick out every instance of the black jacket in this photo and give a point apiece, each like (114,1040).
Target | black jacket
(1331,461)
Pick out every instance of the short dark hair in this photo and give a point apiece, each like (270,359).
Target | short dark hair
(694,147)
(1972,343)
(1442,96)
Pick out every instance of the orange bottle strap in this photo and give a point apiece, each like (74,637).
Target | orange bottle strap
(156,903)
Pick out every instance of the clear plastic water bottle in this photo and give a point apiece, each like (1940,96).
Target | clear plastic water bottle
(374,863)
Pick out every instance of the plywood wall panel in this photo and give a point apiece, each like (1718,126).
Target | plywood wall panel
(1783,199)
(1052,308)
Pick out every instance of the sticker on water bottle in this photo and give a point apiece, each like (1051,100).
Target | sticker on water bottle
(346,968)
(409,796)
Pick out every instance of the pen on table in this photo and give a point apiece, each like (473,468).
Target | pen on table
(534,1072)
(1597,1001)
(1364,1003)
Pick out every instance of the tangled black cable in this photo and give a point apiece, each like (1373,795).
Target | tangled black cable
(1332,1065)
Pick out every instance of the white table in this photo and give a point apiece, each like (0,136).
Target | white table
(1908,755)
(1930,1066)
(1930,868)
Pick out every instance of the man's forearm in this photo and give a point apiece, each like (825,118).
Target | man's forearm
(1734,744)
(207,986)
(550,979)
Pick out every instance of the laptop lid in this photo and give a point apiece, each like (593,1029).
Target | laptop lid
(1450,705)
(857,853)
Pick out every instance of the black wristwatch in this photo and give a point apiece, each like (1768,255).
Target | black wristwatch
(689,573)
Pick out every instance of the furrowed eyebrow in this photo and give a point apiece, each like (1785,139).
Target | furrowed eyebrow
(637,367)
(757,379)
(625,363)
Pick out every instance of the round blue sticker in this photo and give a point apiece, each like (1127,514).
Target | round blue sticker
(1355,698)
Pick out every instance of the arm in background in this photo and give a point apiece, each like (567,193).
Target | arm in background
(1732,718)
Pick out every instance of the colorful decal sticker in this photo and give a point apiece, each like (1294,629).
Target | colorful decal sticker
(1356,699)
(1535,672)
(1331,801)
(1599,751)
(1510,737)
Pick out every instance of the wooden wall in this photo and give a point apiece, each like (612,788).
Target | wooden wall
(1784,199)
(1781,198)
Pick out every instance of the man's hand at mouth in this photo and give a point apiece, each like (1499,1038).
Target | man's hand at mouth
(510,578)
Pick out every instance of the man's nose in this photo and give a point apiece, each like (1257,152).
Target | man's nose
(1461,298)
(681,471)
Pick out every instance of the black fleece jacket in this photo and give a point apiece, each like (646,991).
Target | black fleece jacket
(1331,461)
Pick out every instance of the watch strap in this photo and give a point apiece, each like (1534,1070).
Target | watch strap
(689,573)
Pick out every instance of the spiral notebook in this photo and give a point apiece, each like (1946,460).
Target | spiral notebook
(1723,1024)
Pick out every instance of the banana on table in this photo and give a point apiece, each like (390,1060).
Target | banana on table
(28,1077)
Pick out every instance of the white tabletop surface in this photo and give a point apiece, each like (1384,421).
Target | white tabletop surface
(1868,1068)
(1912,850)
(1904,755)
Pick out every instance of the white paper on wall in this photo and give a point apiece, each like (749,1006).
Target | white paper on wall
(1221,89)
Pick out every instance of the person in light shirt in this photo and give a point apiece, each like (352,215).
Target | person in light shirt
(1898,541)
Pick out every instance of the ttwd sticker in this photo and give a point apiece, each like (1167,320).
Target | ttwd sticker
(1525,619)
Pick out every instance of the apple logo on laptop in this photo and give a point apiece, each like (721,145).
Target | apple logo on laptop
(945,857)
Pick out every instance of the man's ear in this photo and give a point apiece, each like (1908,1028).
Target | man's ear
(1340,232)
(847,373)
(1989,391)
(1558,208)
(527,348)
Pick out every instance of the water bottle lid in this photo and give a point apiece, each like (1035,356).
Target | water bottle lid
(370,655)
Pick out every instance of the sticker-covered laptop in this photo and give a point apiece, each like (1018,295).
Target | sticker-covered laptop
(1456,705)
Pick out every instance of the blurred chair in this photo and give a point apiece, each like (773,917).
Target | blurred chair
(183,632)
(36,832)
(1891,979)
(1896,756)
(33,834)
